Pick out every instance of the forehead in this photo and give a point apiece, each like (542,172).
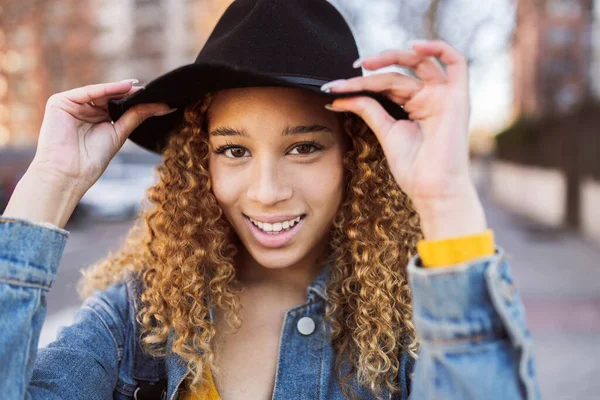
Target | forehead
(253,107)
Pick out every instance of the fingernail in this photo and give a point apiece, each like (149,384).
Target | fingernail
(326,87)
(358,62)
(334,109)
(161,113)
(133,81)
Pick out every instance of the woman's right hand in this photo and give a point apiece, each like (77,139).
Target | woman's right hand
(77,140)
(76,143)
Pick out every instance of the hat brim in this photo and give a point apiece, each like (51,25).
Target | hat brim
(184,85)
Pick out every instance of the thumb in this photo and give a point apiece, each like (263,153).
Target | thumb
(136,115)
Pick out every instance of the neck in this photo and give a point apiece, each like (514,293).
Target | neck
(295,277)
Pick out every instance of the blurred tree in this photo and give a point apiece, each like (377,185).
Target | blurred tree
(480,30)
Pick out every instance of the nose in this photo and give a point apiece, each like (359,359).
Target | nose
(269,184)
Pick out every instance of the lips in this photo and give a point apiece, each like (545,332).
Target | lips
(274,238)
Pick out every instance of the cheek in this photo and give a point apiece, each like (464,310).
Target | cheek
(322,186)
(225,184)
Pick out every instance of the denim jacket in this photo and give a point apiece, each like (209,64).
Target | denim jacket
(469,317)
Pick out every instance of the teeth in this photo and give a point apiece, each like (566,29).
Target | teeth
(277,226)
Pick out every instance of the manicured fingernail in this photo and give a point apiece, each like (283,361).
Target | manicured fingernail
(133,81)
(358,63)
(334,109)
(326,87)
(161,113)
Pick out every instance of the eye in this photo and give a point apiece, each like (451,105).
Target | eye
(306,148)
(231,151)
(235,152)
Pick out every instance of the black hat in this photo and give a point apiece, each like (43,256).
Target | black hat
(290,43)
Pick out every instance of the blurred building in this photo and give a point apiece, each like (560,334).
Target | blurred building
(44,48)
(146,38)
(595,71)
(51,46)
(556,78)
(553,55)
(48,47)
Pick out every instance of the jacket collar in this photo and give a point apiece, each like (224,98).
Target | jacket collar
(318,286)
(176,372)
(177,367)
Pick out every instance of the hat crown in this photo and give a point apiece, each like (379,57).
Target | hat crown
(291,43)
(304,38)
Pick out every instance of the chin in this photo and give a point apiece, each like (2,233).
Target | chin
(275,258)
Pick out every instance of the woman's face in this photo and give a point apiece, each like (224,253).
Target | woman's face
(276,169)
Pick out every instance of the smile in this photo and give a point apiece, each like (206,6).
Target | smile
(277,226)
(274,234)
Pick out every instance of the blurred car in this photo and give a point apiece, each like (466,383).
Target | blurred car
(118,194)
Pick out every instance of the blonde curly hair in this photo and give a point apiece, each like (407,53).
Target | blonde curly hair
(182,248)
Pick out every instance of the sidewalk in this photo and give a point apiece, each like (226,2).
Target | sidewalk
(558,277)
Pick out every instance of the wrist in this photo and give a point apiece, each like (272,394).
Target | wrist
(42,198)
(460,215)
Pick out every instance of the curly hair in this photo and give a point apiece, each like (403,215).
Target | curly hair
(182,249)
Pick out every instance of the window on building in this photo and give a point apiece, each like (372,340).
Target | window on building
(561,36)
(567,96)
(560,67)
(571,8)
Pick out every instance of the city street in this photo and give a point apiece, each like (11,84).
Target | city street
(558,277)
(557,274)
(528,70)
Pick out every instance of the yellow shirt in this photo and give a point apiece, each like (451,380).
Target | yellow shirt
(433,253)
(212,391)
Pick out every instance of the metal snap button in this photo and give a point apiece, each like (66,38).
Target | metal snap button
(306,326)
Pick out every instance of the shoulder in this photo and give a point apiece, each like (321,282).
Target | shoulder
(115,306)
(100,342)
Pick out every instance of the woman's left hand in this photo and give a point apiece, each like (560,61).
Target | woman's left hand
(428,154)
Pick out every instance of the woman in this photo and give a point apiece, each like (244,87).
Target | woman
(294,222)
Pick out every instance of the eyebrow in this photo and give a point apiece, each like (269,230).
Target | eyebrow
(288,130)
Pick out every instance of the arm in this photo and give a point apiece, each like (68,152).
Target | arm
(29,258)
(469,318)
(474,339)
(83,362)
(77,140)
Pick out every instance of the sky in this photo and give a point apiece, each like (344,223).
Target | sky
(481,30)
